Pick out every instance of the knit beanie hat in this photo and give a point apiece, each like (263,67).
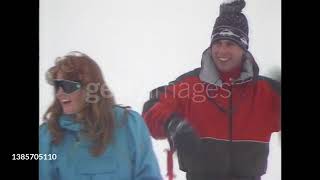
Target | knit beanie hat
(231,24)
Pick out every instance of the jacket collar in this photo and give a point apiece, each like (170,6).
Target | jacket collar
(210,74)
(68,122)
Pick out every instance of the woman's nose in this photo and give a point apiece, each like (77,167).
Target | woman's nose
(59,92)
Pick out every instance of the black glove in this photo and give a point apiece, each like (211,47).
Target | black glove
(181,135)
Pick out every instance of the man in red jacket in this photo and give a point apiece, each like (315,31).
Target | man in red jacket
(219,117)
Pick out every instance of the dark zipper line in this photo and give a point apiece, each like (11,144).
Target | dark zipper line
(230,129)
(216,104)
(230,115)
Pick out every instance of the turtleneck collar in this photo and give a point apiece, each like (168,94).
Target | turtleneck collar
(228,77)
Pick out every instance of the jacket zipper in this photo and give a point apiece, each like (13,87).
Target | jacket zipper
(230,115)
(77,139)
(230,130)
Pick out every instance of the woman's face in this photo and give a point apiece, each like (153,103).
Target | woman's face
(73,102)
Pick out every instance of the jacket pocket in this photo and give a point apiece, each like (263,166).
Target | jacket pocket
(100,168)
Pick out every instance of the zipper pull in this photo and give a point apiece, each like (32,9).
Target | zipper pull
(77,139)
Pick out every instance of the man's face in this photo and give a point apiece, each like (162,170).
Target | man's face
(227,55)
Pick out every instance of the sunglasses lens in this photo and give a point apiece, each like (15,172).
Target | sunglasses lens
(67,86)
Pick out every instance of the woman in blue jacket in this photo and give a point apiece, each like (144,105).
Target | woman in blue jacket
(85,135)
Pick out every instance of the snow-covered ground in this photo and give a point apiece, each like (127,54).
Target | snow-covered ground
(144,44)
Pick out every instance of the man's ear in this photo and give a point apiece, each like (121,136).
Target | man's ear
(244,56)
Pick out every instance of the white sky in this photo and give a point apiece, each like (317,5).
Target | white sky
(144,44)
